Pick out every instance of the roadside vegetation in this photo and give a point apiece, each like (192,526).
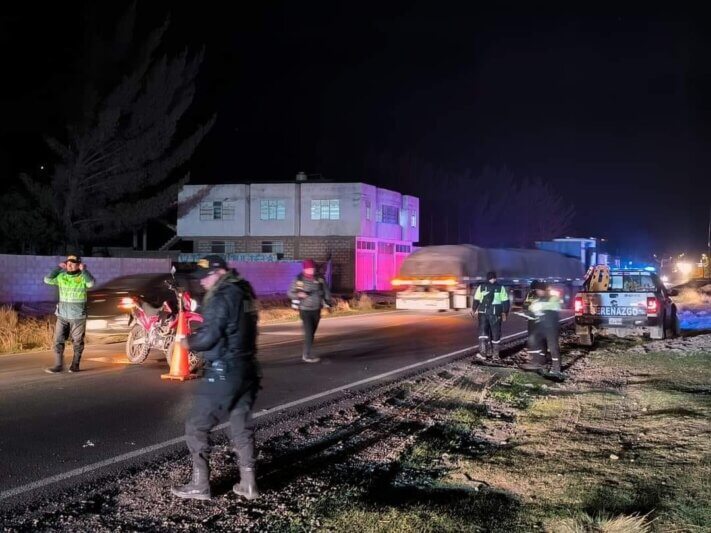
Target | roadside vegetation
(19,333)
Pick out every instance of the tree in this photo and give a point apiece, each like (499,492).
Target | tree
(116,163)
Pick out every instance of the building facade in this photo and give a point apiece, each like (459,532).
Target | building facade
(365,231)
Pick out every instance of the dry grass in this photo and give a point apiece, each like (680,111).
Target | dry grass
(19,333)
(280,310)
(588,524)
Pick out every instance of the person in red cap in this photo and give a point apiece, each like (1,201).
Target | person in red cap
(309,293)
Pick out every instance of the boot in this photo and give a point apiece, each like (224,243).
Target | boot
(537,361)
(496,350)
(555,373)
(247,486)
(199,486)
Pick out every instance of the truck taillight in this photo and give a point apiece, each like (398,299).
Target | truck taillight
(652,305)
(578,305)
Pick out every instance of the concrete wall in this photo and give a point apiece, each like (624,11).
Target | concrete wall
(268,278)
(389,231)
(21,275)
(349,196)
(411,207)
(272,191)
(233,196)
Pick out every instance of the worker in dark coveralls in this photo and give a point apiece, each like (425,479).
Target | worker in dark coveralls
(227,340)
(544,310)
(491,305)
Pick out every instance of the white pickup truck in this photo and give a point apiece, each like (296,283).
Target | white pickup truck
(624,303)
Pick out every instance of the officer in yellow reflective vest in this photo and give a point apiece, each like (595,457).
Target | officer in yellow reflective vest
(544,309)
(491,305)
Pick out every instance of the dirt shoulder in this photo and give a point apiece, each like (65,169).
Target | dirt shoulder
(622,445)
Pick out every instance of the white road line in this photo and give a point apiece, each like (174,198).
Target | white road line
(4,495)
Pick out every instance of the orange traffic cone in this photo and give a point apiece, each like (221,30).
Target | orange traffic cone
(179,364)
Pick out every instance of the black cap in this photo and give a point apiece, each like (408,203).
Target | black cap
(74,258)
(208,264)
(491,275)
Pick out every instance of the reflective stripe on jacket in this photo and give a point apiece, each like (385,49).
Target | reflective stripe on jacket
(491,298)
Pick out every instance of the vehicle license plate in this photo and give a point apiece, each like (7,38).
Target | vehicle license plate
(616,321)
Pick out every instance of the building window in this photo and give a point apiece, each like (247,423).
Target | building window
(413,221)
(222,247)
(367,209)
(272,210)
(217,211)
(325,209)
(402,248)
(273,247)
(366,245)
(391,215)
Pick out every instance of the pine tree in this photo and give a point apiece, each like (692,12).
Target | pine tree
(116,164)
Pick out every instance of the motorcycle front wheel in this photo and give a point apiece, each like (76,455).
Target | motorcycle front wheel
(137,346)
(195,361)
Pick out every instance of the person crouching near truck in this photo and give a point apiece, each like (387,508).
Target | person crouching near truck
(491,305)
(544,310)
(309,292)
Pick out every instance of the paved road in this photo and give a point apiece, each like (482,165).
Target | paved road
(51,424)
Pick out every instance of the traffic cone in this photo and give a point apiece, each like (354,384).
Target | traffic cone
(179,363)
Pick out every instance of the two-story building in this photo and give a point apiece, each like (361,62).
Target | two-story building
(365,231)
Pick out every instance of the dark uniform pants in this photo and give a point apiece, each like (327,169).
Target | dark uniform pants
(545,334)
(489,329)
(69,328)
(310,320)
(217,401)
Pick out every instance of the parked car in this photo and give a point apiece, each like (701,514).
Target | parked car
(109,305)
(624,303)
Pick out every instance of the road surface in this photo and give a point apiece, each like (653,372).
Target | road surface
(54,424)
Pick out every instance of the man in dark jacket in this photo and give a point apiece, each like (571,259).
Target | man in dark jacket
(310,292)
(227,340)
(491,305)
(544,310)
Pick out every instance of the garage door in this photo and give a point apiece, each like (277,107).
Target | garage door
(365,266)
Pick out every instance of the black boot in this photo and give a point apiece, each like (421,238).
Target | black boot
(481,354)
(199,486)
(496,350)
(247,486)
(555,373)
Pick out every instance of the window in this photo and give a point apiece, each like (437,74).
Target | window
(413,221)
(325,209)
(402,248)
(391,214)
(273,247)
(272,210)
(632,282)
(222,247)
(217,210)
(366,245)
(367,209)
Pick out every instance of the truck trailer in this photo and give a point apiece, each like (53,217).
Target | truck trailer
(445,277)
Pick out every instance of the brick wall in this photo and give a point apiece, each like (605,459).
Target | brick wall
(21,275)
(268,278)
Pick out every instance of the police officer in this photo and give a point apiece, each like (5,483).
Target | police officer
(544,309)
(491,304)
(227,340)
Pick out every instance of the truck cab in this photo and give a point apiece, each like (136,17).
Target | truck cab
(624,303)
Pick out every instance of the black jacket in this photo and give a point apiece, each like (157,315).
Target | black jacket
(228,333)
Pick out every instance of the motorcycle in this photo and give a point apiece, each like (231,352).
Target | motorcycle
(155,327)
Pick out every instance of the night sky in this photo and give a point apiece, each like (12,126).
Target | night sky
(613,108)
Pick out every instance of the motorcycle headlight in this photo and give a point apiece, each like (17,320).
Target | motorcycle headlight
(193,304)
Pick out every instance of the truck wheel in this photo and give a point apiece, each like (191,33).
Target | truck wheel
(586,337)
(674,328)
(137,346)
(659,333)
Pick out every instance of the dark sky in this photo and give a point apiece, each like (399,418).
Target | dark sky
(612,107)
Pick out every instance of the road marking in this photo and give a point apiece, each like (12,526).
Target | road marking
(45,482)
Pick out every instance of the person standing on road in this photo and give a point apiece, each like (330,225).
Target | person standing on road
(310,292)
(544,309)
(491,305)
(72,279)
(228,342)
